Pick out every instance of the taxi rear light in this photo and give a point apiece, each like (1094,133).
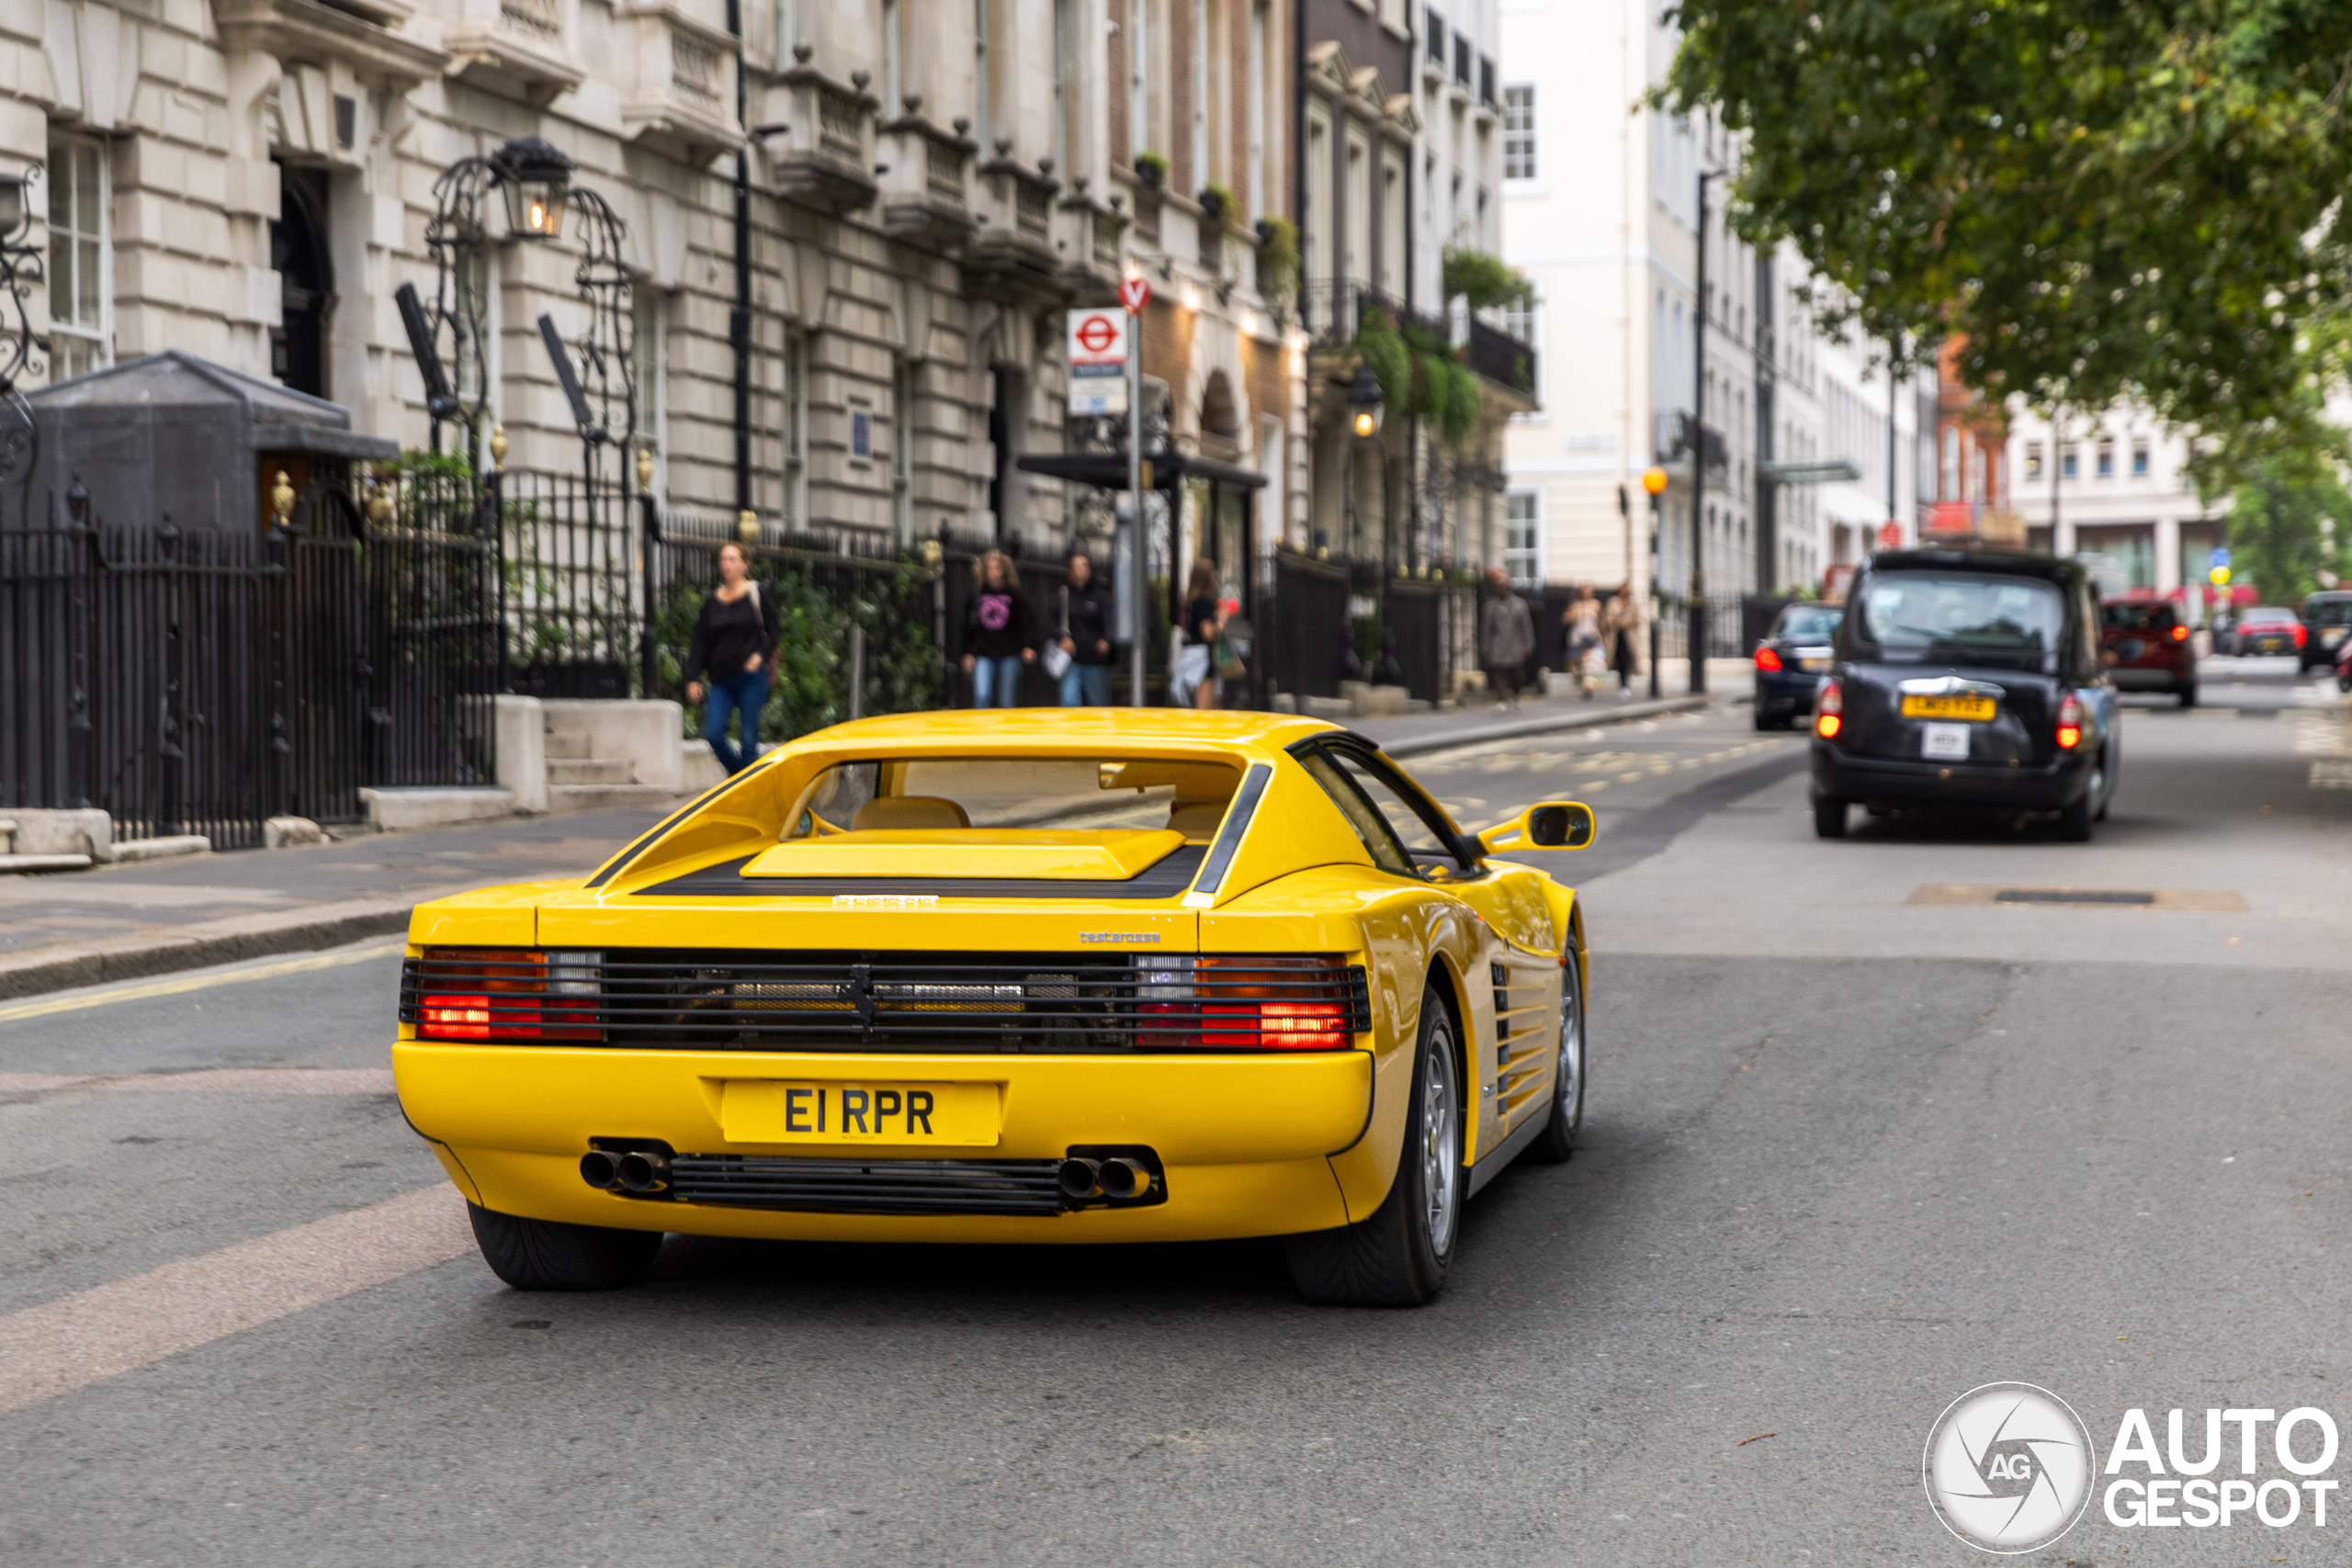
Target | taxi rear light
(2071,719)
(1768,660)
(2300,634)
(1828,709)
(2179,633)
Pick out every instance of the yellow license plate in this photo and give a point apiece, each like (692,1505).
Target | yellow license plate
(774,1110)
(1811,664)
(1975,708)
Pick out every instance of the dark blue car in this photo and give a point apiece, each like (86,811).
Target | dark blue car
(1791,662)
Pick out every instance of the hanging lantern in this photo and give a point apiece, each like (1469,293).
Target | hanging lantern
(1364,403)
(536,177)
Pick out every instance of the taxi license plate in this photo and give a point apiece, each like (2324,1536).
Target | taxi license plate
(1810,664)
(1976,709)
(788,1111)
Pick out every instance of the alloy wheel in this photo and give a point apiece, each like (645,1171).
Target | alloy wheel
(1441,1145)
(1569,1103)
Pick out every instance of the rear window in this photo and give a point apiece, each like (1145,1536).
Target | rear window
(2267,616)
(1930,611)
(1085,792)
(2137,617)
(1809,623)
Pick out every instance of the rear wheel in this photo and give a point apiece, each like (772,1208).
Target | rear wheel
(1828,818)
(2187,695)
(2074,822)
(1766,721)
(1398,1254)
(549,1255)
(1558,1141)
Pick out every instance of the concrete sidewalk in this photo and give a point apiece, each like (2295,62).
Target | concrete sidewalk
(58,932)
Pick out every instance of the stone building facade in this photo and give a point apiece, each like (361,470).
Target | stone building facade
(925,187)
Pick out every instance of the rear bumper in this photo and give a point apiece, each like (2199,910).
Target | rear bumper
(2151,678)
(1786,691)
(1244,1141)
(1876,781)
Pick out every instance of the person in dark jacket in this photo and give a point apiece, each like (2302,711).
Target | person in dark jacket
(1087,620)
(997,637)
(735,643)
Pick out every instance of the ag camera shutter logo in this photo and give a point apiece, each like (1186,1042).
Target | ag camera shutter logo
(2008,1467)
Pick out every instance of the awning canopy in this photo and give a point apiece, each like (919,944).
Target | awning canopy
(1108,470)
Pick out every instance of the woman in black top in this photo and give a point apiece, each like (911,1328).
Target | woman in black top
(735,644)
(1204,619)
(998,640)
(1087,621)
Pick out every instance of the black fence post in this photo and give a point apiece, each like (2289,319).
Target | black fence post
(650,527)
(170,753)
(280,611)
(80,733)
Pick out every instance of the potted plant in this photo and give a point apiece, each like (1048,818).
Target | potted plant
(1216,202)
(1151,168)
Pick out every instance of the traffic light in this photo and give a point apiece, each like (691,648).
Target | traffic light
(1654,481)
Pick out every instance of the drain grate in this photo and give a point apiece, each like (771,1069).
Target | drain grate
(2070,896)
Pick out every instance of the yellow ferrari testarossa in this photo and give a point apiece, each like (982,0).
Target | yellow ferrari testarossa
(1044,975)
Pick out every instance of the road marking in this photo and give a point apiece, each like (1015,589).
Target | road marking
(98,1334)
(2219,900)
(215,1080)
(131,991)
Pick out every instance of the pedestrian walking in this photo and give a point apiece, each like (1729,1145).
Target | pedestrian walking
(1582,619)
(736,639)
(997,637)
(1506,638)
(1195,682)
(1085,641)
(1624,628)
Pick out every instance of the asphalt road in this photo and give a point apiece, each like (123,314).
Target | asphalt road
(1852,1150)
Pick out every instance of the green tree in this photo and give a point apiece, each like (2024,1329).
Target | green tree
(2284,525)
(2108,200)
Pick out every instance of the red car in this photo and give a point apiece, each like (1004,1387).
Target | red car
(2267,629)
(2148,649)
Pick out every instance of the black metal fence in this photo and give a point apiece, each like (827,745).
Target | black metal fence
(1308,636)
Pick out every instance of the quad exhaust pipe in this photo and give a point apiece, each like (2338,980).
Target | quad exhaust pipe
(1118,1177)
(639,1171)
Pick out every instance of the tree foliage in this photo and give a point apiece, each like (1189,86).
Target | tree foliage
(1483,280)
(2284,525)
(2108,200)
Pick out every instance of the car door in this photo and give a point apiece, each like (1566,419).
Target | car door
(1513,982)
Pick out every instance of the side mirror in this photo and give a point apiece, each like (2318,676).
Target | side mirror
(1554,825)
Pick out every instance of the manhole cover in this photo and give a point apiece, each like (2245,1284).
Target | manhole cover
(2069,895)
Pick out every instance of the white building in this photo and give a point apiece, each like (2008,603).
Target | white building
(2117,485)
(1600,210)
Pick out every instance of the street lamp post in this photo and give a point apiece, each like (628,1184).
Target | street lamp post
(1364,415)
(1654,485)
(1697,634)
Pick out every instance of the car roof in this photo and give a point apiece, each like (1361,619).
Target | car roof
(1994,562)
(1063,727)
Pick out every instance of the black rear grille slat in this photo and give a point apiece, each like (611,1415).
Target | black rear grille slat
(1075,1003)
(882,1187)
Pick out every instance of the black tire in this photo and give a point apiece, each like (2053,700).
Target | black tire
(1828,818)
(1558,1141)
(1397,1256)
(2188,695)
(2074,822)
(550,1255)
(1766,721)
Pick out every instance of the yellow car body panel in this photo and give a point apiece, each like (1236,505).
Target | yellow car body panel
(1252,1144)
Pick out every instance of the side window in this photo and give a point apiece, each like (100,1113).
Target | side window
(1386,850)
(1404,818)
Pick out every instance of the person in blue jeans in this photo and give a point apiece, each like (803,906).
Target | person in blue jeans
(735,643)
(1087,619)
(997,639)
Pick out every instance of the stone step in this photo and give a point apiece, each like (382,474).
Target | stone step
(591,770)
(601,796)
(42,863)
(567,743)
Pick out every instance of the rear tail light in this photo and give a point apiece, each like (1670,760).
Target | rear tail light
(1767,659)
(2179,633)
(2300,634)
(1241,1004)
(1829,709)
(484,994)
(2070,724)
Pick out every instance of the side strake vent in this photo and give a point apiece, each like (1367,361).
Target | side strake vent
(1059,1003)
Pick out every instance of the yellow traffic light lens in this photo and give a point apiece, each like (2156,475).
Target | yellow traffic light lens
(2219,576)
(1654,481)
